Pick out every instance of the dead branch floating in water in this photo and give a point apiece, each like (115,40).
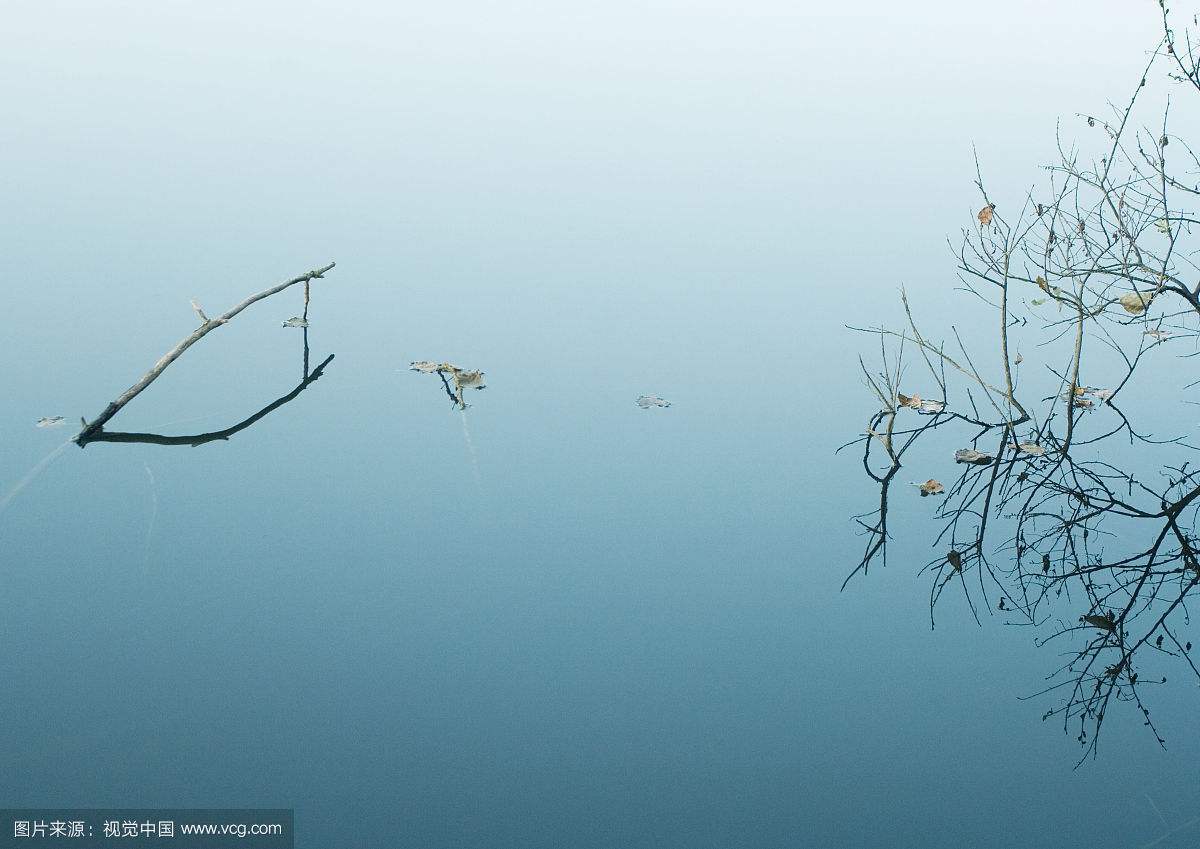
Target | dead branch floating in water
(90,429)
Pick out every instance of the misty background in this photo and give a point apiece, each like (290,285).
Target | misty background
(612,627)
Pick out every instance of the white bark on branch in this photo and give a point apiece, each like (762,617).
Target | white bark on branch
(90,429)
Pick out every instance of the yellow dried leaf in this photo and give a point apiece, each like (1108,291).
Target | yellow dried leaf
(931,487)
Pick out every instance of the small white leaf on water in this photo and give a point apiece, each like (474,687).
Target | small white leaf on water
(648,401)
(1163,225)
(1031,448)
(295,321)
(50,421)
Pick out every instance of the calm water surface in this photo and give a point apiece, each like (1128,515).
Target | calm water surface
(554,619)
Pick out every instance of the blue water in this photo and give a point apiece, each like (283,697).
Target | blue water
(556,619)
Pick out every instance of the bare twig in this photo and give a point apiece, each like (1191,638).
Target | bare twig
(91,429)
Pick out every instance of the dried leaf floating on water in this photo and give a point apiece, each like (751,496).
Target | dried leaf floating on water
(1104,623)
(1053,291)
(955,560)
(461,378)
(1136,303)
(1031,448)
(50,421)
(469,379)
(922,406)
(648,401)
(295,321)
(1083,402)
(1163,225)
(931,487)
(970,455)
(985,214)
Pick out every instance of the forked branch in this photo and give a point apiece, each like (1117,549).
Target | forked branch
(94,427)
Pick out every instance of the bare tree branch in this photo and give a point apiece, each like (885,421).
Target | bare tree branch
(91,429)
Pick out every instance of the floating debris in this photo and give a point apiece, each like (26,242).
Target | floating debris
(1083,402)
(469,379)
(930,487)
(648,401)
(922,406)
(1031,448)
(462,378)
(295,321)
(1104,623)
(975,458)
(1136,303)
(50,421)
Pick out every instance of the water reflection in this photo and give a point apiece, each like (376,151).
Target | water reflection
(1060,509)
(216,435)
(95,432)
